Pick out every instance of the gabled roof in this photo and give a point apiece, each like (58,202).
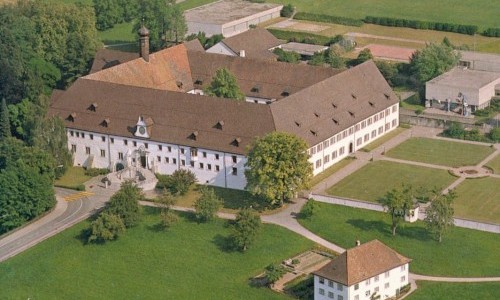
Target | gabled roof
(334,104)
(362,262)
(166,70)
(273,77)
(106,58)
(176,115)
(194,45)
(255,42)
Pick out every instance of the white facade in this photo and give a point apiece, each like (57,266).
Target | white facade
(386,285)
(339,146)
(97,150)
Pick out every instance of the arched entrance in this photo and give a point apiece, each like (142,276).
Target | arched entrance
(119,167)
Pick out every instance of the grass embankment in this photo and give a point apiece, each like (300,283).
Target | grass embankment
(189,261)
(74,178)
(479,199)
(439,152)
(445,290)
(463,252)
(374,180)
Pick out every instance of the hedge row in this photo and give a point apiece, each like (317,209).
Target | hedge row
(300,37)
(328,19)
(494,32)
(394,22)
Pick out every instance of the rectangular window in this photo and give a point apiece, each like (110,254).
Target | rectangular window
(321,291)
(403,267)
(376,278)
(319,147)
(332,140)
(403,278)
(334,154)
(318,163)
(313,150)
(380,130)
(91,136)
(235,171)
(330,283)
(182,150)
(87,150)
(357,127)
(386,285)
(330,295)
(71,132)
(375,118)
(356,297)
(374,134)
(174,161)
(217,168)
(339,297)
(387,126)
(120,155)
(216,156)
(169,149)
(387,112)
(367,281)
(387,274)
(326,159)
(369,121)
(359,141)
(233,158)
(112,140)
(351,130)
(381,115)
(191,163)
(135,144)
(103,138)
(322,280)
(344,134)
(363,124)
(395,108)
(77,134)
(183,162)
(204,154)
(394,122)
(367,293)
(160,147)
(341,150)
(202,166)
(340,287)
(83,135)
(146,145)
(194,152)
(376,290)
(73,148)
(103,153)
(125,142)
(209,167)
(339,137)
(167,160)
(356,287)
(326,144)
(366,137)
(158,158)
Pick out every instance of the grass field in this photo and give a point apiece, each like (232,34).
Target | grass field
(444,290)
(330,171)
(463,252)
(378,142)
(494,164)
(479,199)
(374,180)
(483,13)
(190,261)
(74,177)
(439,152)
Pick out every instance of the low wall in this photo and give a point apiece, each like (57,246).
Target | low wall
(436,120)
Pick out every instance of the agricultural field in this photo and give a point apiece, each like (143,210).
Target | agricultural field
(367,184)
(148,263)
(440,152)
(462,253)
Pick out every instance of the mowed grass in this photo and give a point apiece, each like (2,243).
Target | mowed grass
(73,177)
(462,253)
(440,152)
(329,172)
(483,13)
(374,180)
(446,290)
(189,261)
(494,164)
(479,199)
(378,142)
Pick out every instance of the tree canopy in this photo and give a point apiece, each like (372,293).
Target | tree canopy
(278,167)
(398,202)
(224,85)
(207,205)
(125,204)
(245,228)
(432,61)
(439,215)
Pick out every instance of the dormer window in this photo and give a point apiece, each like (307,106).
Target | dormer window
(354,96)
(236,142)
(194,135)
(351,113)
(93,107)
(255,89)
(179,84)
(105,122)
(142,128)
(71,117)
(314,132)
(334,105)
(219,125)
(286,92)
(371,104)
(335,121)
(317,114)
(387,96)
(198,82)
(298,123)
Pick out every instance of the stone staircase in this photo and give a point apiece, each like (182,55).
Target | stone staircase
(142,177)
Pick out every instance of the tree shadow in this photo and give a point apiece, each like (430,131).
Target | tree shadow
(414,232)
(364,225)
(258,281)
(83,236)
(224,243)
(158,227)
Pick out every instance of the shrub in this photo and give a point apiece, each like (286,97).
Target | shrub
(492,32)
(290,57)
(274,272)
(308,210)
(207,205)
(419,111)
(287,11)
(296,36)
(93,172)
(181,181)
(455,130)
(328,19)
(168,218)
(125,204)
(80,187)
(106,227)
(495,134)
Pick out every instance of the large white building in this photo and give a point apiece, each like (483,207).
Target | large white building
(229,17)
(150,113)
(363,273)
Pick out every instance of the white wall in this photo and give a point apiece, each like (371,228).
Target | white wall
(385,286)
(221,48)
(243,24)
(477,97)
(161,160)
(209,29)
(336,148)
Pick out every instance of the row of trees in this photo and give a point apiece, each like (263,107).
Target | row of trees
(439,26)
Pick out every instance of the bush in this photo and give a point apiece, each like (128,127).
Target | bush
(328,19)
(274,272)
(106,227)
(207,205)
(287,11)
(455,130)
(125,204)
(492,32)
(285,56)
(93,172)
(308,210)
(495,134)
(80,187)
(178,183)
(168,218)
(300,37)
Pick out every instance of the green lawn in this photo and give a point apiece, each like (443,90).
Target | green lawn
(479,199)
(372,182)
(483,13)
(74,177)
(378,142)
(190,261)
(439,152)
(463,252)
(494,164)
(445,290)
(330,171)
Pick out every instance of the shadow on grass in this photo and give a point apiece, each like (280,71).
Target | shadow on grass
(409,231)
(364,225)
(258,282)
(224,243)
(236,199)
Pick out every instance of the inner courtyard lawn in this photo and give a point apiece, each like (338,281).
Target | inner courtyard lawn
(462,253)
(73,178)
(494,164)
(446,290)
(374,180)
(440,152)
(378,142)
(479,199)
(189,261)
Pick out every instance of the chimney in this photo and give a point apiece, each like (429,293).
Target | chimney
(358,242)
(242,53)
(144,42)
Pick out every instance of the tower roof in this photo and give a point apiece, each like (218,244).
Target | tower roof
(143,31)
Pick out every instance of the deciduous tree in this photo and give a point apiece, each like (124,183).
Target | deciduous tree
(278,167)
(274,272)
(439,215)
(4,121)
(207,205)
(398,202)
(432,61)
(167,216)
(125,203)
(106,227)
(224,85)
(245,228)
